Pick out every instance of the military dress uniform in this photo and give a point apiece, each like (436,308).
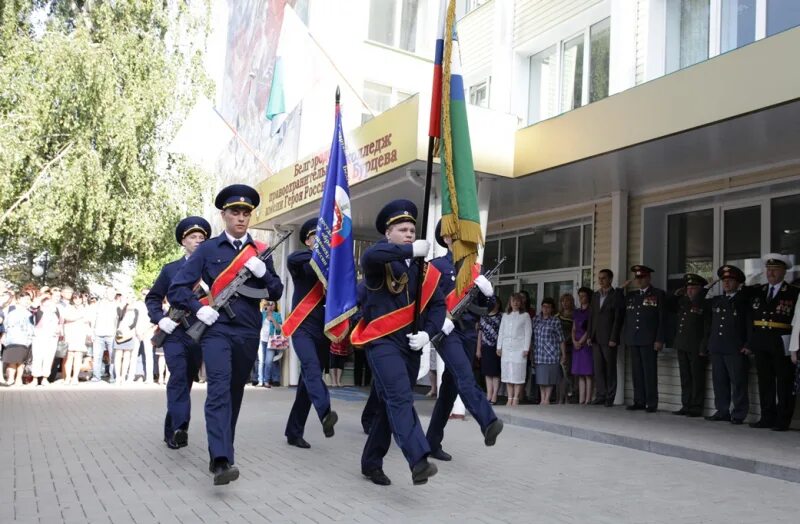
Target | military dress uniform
(230,344)
(772,310)
(691,338)
(310,344)
(373,405)
(642,328)
(727,338)
(390,275)
(182,354)
(458,352)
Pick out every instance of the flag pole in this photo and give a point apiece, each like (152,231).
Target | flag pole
(424,229)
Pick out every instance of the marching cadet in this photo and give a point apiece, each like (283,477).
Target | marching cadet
(691,338)
(772,309)
(373,404)
(643,333)
(230,344)
(183,356)
(306,325)
(458,351)
(726,345)
(390,275)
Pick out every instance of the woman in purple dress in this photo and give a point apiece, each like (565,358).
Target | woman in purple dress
(582,365)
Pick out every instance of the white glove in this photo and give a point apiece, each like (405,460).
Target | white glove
(448,326)
(207,315)
(484,285)
(256,266)
(167,325)
(421,248)
(418,341)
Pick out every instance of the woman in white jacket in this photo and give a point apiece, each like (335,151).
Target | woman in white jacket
(513,344)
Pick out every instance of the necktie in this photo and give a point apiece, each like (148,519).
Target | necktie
(237,244)
(771,294)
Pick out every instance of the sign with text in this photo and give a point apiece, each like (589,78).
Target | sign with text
(384,143)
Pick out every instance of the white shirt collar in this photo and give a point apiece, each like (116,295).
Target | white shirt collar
(231,238)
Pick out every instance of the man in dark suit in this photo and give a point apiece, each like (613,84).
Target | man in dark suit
(605,323)
(727,338)
(644,336)
(771,313)
(691,338)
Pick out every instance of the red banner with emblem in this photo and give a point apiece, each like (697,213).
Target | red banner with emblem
(398,319)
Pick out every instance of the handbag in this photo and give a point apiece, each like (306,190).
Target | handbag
(278,342)
(61,348)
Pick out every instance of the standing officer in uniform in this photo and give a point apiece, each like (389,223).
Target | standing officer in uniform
(458,351)
(230,345)
(726,345)
(691,338)
(306,325)
(182,354)
(772,310)
(391,274)
(644,336)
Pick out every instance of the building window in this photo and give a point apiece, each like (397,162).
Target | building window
(690,246)
(380,97)
(550,249)
(394,23)
(782,15)
(737,24)
(687,33)
(479,94)
(785,226)
(742,239)
(571,73)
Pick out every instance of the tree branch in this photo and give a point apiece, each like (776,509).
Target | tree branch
(27,194)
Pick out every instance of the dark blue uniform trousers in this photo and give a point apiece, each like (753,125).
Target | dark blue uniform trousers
(183,358)
(372,409)
(229,359)
(394,372)
(644,368)
(458,351)
(311,389)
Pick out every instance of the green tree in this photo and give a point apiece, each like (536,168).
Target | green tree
(91,94)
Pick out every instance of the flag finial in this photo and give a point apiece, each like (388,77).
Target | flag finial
(338,95)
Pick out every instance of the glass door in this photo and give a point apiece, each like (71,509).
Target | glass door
(742,240)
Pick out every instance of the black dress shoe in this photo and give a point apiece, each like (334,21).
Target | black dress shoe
(634,407)
(694,414)
(377,476)
(761,424)
(494,429)
(441,454)
(328,422)
(682,411)
(422,471)
(224,473)
(171,444)
(181,438)
(298,442)
(737,421)
(780,428)
(598,401)
(651,409)
(609,403)
(717,416)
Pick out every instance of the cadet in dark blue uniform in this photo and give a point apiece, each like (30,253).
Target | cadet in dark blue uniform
(310,344)
(230,345)
(643,333)
(772,310)
(726,345)
(458,351)
(391,277)
(691,339)
(373,404)
(183,356)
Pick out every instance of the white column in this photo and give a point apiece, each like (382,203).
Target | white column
(619,263)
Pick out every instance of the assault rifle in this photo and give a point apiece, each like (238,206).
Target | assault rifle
(465,304)
(231,291)
(176,315)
